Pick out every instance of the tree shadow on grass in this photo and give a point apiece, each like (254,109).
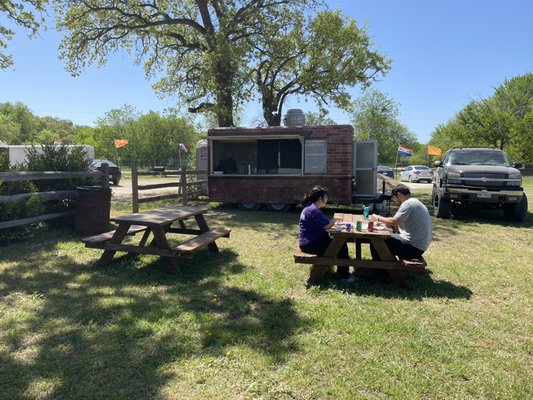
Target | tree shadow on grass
(72,330)
(488,216)
(421,285)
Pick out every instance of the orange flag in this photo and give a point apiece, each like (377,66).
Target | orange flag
(434,151)
(120,143)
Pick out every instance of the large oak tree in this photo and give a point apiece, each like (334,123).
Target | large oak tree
(201,45)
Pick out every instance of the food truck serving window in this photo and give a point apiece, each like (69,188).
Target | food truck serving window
(257,156)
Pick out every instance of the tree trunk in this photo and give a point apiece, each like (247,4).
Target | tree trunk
(224,109)
(270,111)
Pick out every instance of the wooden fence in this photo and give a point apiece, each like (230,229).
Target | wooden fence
(45,196)
(189,184)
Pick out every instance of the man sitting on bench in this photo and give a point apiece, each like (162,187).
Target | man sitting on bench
(413,222)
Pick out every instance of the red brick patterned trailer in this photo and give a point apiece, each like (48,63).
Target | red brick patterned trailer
(276,166)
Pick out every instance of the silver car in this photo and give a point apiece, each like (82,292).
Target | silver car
(416,173)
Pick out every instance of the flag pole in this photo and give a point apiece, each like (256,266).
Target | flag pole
(396,164)
(118,159)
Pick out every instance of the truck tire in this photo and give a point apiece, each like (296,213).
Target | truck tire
(516,211)
(278,207)
(441,207)
(249,206)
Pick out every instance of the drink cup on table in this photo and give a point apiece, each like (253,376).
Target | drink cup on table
(366,212)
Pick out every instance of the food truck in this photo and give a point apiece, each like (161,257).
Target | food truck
(276,166)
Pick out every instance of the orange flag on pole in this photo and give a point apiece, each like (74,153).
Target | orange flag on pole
(120,143)
(434,151)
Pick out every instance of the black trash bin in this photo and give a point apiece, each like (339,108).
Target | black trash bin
(93,208)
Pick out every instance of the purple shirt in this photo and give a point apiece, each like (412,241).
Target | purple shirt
(312,223)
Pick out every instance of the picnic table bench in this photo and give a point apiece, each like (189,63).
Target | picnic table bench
(158,223)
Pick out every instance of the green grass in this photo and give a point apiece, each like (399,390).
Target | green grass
(240,324)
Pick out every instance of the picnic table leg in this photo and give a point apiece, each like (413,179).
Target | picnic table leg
(398,277)
(118,237)
(318,271)
(146,233)
(161,241)
(316,274)
(200,220)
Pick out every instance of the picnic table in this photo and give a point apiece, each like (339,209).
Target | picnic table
(158,223)
(395,267)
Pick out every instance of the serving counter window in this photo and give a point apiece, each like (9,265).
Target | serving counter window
(257,156)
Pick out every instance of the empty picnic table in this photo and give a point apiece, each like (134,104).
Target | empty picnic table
(158,223)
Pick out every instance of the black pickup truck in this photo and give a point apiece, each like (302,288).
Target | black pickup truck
(478,176)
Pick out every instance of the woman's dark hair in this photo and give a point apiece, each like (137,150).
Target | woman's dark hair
(403,189)
(316,193)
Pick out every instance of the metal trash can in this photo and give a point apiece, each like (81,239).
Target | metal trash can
(92,211)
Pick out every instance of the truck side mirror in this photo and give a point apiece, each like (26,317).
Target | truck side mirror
(517,165)
(438,163)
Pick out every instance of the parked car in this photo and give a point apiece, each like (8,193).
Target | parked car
(416,173)
(114,170)
(388,171)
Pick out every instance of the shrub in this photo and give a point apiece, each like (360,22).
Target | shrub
(56,158)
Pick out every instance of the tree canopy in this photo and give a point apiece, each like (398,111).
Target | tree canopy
(202,46)
(503,120)
(317,57)
(375,116)
(24,13)
(214,55)
(153,137)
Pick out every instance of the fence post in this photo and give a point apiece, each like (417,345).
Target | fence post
(105,178)
(183,182)
(134,188)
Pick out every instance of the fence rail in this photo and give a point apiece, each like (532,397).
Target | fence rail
(189,185)
(45,196)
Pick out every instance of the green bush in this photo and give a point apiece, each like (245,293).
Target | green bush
(52,158)
(57,158)
(4,161)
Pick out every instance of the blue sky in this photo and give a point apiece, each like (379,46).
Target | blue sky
(445,54)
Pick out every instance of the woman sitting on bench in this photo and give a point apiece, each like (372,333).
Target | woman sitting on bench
(313,237)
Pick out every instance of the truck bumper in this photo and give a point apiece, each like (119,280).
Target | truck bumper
(482,196)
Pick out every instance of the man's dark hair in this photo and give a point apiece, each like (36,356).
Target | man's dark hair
(401,189)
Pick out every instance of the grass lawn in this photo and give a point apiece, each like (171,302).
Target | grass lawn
(241,325)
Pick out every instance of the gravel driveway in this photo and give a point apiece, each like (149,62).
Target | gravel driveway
(122,191)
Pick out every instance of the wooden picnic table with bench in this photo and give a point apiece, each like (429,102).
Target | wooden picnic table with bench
(395,267)
(158,222)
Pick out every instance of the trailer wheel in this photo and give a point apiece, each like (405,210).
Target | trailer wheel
(249,206)
(278,207)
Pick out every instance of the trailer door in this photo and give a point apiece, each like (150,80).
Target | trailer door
(365,160)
